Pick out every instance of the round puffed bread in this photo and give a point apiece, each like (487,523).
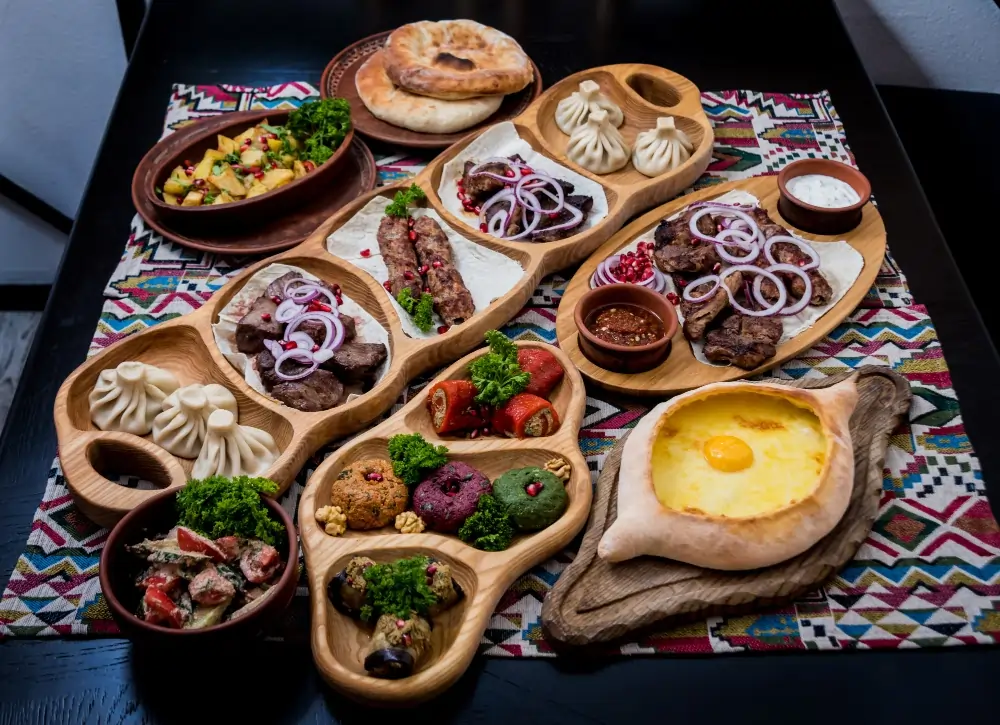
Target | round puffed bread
(417,113)
(454,59)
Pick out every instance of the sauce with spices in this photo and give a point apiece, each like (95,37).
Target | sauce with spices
(625,324)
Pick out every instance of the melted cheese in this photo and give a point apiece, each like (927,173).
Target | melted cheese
(737,455)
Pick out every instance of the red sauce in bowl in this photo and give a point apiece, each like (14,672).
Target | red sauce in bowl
(625,324)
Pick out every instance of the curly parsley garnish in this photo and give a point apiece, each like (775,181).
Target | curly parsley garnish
(398,588)
(497,375)
(321,127)
(489,527)
(219,506)
(412,457)
(405,199)
(420,309)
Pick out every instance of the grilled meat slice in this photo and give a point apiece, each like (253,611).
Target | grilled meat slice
(357,362)
(698,315)
(543,234)
(257,325)
(452,298)
(744,341)
(320,390)
(479,188)
(785,253)
(397,252)
(677,250)
(317,330)
(277,287)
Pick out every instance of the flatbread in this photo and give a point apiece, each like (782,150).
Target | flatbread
(392,104)
(456,59)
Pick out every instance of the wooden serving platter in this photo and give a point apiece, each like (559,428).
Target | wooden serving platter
(339,81)
(339,642)
(595,602)
(681,371)
(91,458)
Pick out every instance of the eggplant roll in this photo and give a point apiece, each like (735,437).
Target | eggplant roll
(347,590)
(397,646)
(397,252)
(452,298)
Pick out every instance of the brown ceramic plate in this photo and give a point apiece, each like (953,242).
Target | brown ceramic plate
(338,80)
(356,175)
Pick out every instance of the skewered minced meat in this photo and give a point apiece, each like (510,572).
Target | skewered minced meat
(452,298)
(744,341)
(677,250)
(398,255)
(698,315)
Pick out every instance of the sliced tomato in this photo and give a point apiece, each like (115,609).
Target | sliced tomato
(163,582)
(230,546)
(189,540)
(210,588)
(160,609)
(259,564)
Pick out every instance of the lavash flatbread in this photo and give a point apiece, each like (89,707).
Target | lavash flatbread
(455,59)
(392,104)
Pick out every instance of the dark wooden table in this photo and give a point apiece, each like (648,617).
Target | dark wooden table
(774,46)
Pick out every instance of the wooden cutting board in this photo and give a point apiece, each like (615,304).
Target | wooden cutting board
(595,602)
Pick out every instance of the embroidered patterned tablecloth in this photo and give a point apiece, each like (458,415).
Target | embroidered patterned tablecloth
(928,575)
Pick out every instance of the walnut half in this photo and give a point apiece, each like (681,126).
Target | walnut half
(334,520)
(409,523)
(560,467)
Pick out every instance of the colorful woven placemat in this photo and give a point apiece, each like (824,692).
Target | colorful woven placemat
(929,574)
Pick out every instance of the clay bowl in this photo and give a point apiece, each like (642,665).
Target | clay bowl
(261,209)
(622,358)
(818,219)
(118,570)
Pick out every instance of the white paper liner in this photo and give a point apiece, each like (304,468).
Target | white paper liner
(489,275)
(502,140)
(840,262)
(367,327)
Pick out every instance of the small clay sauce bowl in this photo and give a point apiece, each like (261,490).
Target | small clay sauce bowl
(246,212)
(624,358)
(119,569)
(818,219)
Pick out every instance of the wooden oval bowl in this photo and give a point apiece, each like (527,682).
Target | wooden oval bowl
(339,642)
(682,371)
(119,569)
(264,208)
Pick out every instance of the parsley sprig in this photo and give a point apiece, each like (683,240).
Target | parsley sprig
(497,375)
(398,588)
(412,457)
(403,200)
(420,308)
(321,127)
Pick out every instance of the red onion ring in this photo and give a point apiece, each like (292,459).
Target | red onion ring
(514,166)
(311,293)
(814,261)
(302,340)
(334,337)
(791,269)
(548,180)
(750,269)
(688,293)
(302,356)
(529,226)
(754,231)
(721,242)
(502,195)
(288,310)
(577,217)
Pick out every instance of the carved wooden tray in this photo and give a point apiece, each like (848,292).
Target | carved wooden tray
(595,602)
(338,642)
(185,346)
(681,370)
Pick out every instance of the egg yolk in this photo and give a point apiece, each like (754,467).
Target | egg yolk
(727,453)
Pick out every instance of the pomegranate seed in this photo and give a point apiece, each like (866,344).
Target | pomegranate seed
(290,345)
(400,623)
(388,285)
(427,289)
(254,169)
(187,162)
(531,489)
(478,210)
(407,639)
(461,195)
(716,267)
(340,300)
(673,298)
(315,348)
(423,269)
(259,175)
(413,236)
(474,433)
(509,173)
(319,307)
(366,253)
(189,170)
(199,182)
(436,264)
(309,165)
(410,221)
(336,288)
(483,227)
(802,263)
(263,140)
(276,300)
(432,569)
(266,317)
(682,283)
(443,329)
(407,274)
(553,215)
(460,183)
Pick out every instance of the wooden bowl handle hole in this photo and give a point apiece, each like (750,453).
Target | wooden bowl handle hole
(654,90)
(114,459)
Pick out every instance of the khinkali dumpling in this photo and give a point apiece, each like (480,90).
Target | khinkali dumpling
(574,110)
(180,428)
(128,397)
(233,450)
(662,148)
(597,146)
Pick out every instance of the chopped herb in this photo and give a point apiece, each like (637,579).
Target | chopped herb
(489,527)
(321,127)
(398,588)
(497,375)
(217,169)
(159,190)
(220,506)
(404,199)
(278,131)
(232,158)
(412,457)
(209,198)
(420,310)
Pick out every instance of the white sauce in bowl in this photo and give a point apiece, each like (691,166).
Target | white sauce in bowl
(822,190)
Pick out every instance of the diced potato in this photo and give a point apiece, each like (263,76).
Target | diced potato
(274,144)
(227,181)
(222,198)
(226,144)
(193,198)
(252,157)
(293,142)
(179,174)
(177,187)
(244,136)
(277,177)
(256,189)
(204,168)
(170,199)
(298,169)
(248,181)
